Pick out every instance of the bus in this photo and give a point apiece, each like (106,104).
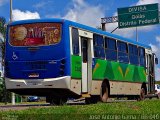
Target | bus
(61,59)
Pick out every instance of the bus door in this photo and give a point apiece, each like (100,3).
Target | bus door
(151,74)
(86,53)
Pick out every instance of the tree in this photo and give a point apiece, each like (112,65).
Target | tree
(4,94)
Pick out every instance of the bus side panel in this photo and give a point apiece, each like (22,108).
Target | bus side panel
(66,35)
(76,70)
(118,71)
(110,69)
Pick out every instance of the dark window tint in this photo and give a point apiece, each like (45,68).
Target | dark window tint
(111,54)
(98,46)
(133,50)
(110,45)
(85,49)
(99,52)
(142,56)
(133,54)
(98,40)
(123,57)
(75,41)
(122,52)
(122,47)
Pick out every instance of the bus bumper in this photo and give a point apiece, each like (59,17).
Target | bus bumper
(60,82)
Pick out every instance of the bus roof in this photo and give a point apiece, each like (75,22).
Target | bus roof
(85,27)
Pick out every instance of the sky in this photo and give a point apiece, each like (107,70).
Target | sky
(88,12)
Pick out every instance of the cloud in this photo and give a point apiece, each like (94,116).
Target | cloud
(157,72)
(130,32)
(42,4)
(22,15)
(90,15)
(142,2)
(2,2)
(156,49)
(84,13)
(158,45)
(127,32)
(158,39)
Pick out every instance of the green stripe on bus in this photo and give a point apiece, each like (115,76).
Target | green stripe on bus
(111,70)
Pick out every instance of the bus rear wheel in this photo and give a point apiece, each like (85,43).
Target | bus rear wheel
(142,94)
(104,94)
(143,91)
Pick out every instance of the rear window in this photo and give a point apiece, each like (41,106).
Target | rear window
(36,34)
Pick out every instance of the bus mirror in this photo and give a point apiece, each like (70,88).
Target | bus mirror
(156,60)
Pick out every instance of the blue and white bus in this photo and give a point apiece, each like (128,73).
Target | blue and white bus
(62,59)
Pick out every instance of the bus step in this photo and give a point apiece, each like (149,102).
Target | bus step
(86,96)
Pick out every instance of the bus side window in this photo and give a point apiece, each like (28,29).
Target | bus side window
(75,41)
(110,49)
(142,56)
(133,54)
(98,43)
(122,52)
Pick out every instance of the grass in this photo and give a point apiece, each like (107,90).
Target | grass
(157,82)
(146,108)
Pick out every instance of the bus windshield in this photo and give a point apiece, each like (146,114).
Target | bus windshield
(36,34)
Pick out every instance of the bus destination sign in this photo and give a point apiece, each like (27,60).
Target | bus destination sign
(138,15)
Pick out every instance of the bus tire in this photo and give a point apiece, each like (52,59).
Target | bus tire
(143,91)
(142,94)
(105,90)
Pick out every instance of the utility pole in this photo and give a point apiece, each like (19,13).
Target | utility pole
(11,11)
(103,26)
(13,94)
(106,20)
